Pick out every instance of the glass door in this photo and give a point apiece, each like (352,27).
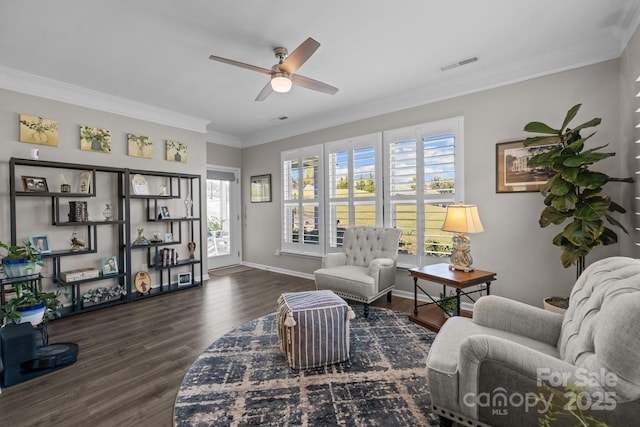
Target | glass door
(223,217)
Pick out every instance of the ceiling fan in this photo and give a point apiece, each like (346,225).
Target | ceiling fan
(282,74)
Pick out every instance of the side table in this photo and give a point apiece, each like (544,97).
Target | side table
(433,317)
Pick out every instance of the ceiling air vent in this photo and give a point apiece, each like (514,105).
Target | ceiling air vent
(460,63)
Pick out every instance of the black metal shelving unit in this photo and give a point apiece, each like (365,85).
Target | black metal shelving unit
(186,229)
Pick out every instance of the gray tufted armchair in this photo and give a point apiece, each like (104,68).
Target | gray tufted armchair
(487,371)
(366,269)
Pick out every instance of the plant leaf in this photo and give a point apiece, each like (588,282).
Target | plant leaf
(614,207)
(565,203)
(551,215)
(540,128)
(583,233)
(570,115)
(541,140)
(571,254)
(593,209)
(585,159)
(608,237)
(615,222)
(591,123)
(591,180)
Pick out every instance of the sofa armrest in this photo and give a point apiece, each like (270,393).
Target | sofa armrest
(491,365)
(334,260)
(383,272)
(508,315)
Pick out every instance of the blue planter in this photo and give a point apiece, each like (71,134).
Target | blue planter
(32,313)
(19,267)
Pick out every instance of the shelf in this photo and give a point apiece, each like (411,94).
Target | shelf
(154,245)
(180,263)
(52,194)
(173,287)
(93,279)
(78,223)
(68,253)
(173,219)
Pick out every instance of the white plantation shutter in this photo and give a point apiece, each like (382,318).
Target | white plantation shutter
(354,185)
(423,169)
(303,221)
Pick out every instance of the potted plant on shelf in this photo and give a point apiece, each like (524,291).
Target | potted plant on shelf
(574,192)
(21,260)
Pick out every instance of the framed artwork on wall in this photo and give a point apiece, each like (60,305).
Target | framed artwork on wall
(513,174)
(261,188)
(38,130)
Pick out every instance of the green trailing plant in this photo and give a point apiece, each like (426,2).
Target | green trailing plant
(26,250)
(25,294)
(574,192)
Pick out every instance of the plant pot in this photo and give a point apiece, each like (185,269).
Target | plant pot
(555,304)
(20,267)
(32,313)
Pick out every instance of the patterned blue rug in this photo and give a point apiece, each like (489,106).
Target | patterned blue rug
(243,379)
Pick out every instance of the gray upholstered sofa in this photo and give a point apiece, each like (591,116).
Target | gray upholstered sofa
(366,269)
(486,371)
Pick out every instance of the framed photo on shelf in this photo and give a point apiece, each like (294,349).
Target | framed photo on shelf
(513,174)
(168,237)
(184,279)
(261,188)
(163,212)
(35,184)
(41,242)
(109,265)
(85,181)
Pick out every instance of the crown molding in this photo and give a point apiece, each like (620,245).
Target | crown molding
(220,138)
(31,84)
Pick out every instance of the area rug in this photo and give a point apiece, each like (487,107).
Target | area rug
(243,379)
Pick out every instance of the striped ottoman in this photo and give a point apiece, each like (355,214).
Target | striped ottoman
(313,328)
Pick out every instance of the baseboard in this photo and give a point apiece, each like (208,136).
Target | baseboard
(396,292)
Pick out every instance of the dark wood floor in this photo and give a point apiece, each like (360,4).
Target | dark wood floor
(133,356)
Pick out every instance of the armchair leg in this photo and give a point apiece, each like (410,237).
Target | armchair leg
(366,310)
(389,296)
(445,422)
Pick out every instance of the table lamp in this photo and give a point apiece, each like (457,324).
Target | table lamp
(461,219)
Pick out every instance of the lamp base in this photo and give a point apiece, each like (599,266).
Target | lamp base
(461,268)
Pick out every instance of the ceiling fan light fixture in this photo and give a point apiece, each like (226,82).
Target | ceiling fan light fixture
(281,82)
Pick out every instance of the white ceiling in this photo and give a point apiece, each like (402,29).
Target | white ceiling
(383,56)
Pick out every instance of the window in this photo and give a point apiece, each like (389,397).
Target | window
(400,178)
(302,194)
(354,185)
(423,170)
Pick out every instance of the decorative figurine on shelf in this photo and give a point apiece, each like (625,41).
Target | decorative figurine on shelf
(156,237)
(163,190)
(76,243)
(191,246)
(141,240)
(108,213)
(188,203)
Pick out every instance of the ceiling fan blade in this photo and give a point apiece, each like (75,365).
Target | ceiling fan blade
(299,56)
(266,91)
(312,84)
(240,64)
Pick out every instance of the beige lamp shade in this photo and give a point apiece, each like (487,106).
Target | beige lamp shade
(462,219)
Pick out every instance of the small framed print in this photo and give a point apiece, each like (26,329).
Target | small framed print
(35,184)
(41,242)
(163,212)
(85,181)
(184,279)
(109,265)
(513,174)
(168,237)
(261,188)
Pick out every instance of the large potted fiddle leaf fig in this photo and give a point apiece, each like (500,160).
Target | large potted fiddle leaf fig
(574,193)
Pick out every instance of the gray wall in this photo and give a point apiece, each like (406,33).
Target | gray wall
(70,117)
(513,245)
(224,155)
